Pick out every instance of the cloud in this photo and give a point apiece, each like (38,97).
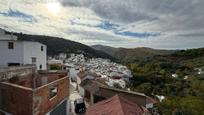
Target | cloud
(168,24)
(119,10)
(192,35)
(177,14)
(115,28)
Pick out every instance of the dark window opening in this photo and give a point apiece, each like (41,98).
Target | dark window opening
(40,66)
(10,45)
(13,64)
(52,91)
(42,48)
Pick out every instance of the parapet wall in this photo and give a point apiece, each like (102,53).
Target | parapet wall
(19,100)
(15,99)
(8,73)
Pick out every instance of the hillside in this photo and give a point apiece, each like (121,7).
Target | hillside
(127,55)
(57,45)
(176,77)
(171,74)
(190,57)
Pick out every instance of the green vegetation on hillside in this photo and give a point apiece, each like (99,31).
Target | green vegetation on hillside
(152,75)
(191,53)
(184,93)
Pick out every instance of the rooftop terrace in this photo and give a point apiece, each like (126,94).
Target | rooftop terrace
(35,80)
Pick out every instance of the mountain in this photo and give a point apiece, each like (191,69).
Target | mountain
(127,55)
(190,57)
(57,45)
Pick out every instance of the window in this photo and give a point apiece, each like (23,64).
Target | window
(40,66)
(13,64)
(33,60)
(52,91)
(10,45)
(42,48)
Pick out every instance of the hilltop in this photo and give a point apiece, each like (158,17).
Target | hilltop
(128,55)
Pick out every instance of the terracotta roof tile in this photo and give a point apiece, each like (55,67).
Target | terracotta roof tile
(115,105)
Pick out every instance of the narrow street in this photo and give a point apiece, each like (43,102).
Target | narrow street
(73,96)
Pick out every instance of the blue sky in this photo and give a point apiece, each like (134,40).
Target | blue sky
(161,24)
(18,14)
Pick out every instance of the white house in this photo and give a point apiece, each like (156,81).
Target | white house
(14,53)
(120,82)
(174,75)
(62,56)
(54,61)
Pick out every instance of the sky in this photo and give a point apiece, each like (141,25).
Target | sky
(160,24)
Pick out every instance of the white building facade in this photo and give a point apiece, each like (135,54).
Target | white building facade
(14,53)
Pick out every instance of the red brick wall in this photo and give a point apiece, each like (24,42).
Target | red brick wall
(26,101)
(18,101)
(51,77)
(42,103)
(26,81)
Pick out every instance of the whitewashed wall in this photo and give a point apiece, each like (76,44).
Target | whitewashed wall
(23,53)
(33,49)
(11,55)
